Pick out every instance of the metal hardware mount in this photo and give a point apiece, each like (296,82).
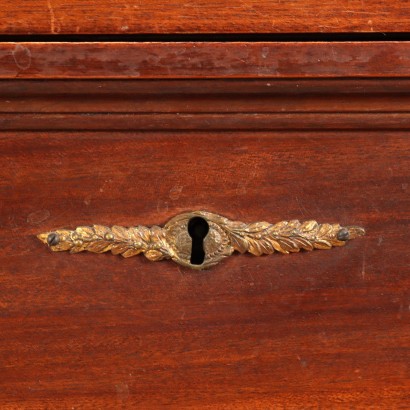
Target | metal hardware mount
(220,239)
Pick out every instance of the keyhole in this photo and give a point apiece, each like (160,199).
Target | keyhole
(198,229)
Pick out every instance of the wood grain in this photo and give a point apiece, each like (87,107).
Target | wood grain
(128,134)
(350,104)
(203,122)
(202,16)
(326,96)
(325,329)
(204,60)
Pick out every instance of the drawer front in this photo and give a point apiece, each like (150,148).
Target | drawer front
(324,328)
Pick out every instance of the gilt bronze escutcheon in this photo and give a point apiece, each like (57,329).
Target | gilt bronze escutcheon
(201,239)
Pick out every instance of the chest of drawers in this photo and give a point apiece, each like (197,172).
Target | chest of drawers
(134,131)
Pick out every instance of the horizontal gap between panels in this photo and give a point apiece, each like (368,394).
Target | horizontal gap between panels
(211,37)
(198,113)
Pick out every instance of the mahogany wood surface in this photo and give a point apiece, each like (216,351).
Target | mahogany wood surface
(205,104)
(325,329)
(202,16)
(167,60)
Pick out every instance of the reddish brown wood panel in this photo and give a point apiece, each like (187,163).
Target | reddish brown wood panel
(205,105)
(117,97)
(326,329)
(203,122)
(159,60)
(75,91)
(202,16)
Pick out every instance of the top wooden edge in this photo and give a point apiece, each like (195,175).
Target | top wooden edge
(202,60)
(202,16)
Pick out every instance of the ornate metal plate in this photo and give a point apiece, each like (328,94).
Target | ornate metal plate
(201,239)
